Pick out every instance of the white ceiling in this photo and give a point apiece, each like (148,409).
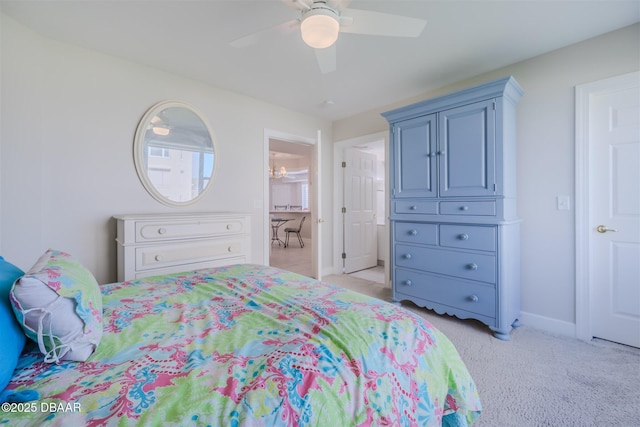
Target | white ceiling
(191,38)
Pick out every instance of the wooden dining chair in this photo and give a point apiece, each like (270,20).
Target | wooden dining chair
(288,231)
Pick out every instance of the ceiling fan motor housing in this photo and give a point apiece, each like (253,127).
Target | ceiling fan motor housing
(319,26)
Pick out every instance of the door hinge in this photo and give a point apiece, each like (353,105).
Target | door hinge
(344,210)
(344,255)
(344,164)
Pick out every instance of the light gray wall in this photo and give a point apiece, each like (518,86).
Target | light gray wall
(68,120)
(68,116)
(545,122)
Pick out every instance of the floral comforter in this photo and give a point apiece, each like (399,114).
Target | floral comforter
(251,345)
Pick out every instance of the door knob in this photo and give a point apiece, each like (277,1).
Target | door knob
(604,229)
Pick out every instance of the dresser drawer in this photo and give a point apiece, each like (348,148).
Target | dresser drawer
(468,237)
(415,207)
(466,265)
(412,232)
(157,256)
(458,294)
(156,231)
(179,268)
(468,208)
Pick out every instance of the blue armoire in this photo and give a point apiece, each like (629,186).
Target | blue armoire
(455,233)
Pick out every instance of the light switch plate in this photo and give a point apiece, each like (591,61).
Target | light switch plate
(564,203)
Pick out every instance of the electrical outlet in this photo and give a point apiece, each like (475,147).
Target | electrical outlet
(564,203)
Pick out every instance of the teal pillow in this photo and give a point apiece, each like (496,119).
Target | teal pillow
(13,338)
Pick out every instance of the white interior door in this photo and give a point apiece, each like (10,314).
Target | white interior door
(360,225)
(614,212)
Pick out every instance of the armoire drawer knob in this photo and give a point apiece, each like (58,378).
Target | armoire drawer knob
(230,249)
(464,208)
(408,282)
(407,256)
(158,257)
(472,266)
(229,226)
(413,232)
(463,236)
(162,230)
(413,208)
(473,298)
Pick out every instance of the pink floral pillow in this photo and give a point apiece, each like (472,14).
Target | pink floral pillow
(59,305)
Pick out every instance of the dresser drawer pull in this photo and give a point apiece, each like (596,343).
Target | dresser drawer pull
(473,298)
(158,257)
(463,236)
(406,256)
(472,266)
(464,208)
(413,232)
(162,230)
(229,226)
(413,208)
(408,282)
(230,249)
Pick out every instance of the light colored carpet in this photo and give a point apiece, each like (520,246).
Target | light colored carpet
(537,378)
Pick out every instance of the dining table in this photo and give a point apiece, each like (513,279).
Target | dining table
(276,223)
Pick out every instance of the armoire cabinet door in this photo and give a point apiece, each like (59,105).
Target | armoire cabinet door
(466,150)
(414,151)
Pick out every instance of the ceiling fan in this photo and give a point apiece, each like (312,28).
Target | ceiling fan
(320,21)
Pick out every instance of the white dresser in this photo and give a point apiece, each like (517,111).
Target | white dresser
(154,244)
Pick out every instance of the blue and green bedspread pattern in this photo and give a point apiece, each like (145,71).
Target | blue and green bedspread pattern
(257,346)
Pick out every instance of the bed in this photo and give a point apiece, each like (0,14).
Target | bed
(248,345)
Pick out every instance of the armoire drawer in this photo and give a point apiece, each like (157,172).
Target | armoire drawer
(156,231)
(468,237)
(468,208)
(156,256)
(415,207)
(459,294)
(467,265)
(412,232)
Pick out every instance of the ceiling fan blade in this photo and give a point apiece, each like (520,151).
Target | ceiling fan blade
(337,4)
(282,29)
(358,21)
(326,59)
(298,4)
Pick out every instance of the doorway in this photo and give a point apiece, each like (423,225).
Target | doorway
(608,210)
(290,206)
(360,208)
(299,158)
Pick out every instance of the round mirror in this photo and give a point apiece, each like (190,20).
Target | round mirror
(174,153)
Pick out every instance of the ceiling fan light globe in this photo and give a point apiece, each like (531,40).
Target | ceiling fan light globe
(319,28)
(160,130)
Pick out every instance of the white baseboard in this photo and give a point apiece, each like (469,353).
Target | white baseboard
(548,324)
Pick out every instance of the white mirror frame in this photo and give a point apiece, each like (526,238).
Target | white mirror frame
(139,152)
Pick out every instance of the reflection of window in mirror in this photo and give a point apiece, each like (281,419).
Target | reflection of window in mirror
(158,152)
(178,174)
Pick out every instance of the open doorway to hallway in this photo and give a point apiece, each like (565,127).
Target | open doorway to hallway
(360,203)
(289,206)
